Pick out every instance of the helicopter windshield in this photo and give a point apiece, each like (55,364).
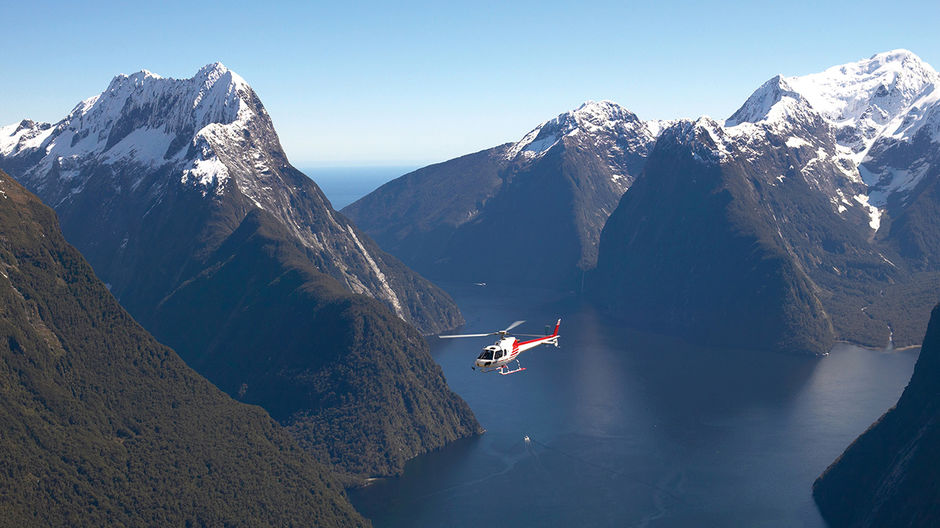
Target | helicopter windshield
(491,352)
(487,354)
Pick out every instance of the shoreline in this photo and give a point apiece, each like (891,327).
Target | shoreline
(868,347)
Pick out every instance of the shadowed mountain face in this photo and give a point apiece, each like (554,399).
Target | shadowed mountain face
(178,193)
(103,425)
(822,248)
(693,250)
(887,477)
(525,213)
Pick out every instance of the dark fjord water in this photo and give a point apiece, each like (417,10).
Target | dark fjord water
(628,429)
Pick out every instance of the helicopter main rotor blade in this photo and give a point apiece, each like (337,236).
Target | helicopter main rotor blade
(529,335)
(464,335)
(510,327)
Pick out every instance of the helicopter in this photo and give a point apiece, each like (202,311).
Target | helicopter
(496,357)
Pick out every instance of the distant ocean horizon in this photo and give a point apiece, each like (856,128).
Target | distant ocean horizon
(344,185)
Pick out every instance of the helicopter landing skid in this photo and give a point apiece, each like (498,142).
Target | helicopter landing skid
(504,369)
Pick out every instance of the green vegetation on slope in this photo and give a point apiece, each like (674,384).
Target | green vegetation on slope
(355,384)
(102,425)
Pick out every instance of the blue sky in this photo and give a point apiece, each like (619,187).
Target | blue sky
(410,83)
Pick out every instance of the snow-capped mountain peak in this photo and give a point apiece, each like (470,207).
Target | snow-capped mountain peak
(774,97)
(877,88)
(862,100)
(212,71)
(601,119)
(147,120)
(593,115)
(874,108)
(25,135)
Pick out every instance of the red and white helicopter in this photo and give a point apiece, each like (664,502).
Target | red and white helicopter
(496,357)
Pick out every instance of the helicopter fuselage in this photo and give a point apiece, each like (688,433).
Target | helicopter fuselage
(508,348)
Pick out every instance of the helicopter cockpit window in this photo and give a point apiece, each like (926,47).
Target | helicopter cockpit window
(499,354)
(487,354)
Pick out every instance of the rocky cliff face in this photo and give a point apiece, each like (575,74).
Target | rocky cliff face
(529,212)
(103,425)
(887,477)
(178,193)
